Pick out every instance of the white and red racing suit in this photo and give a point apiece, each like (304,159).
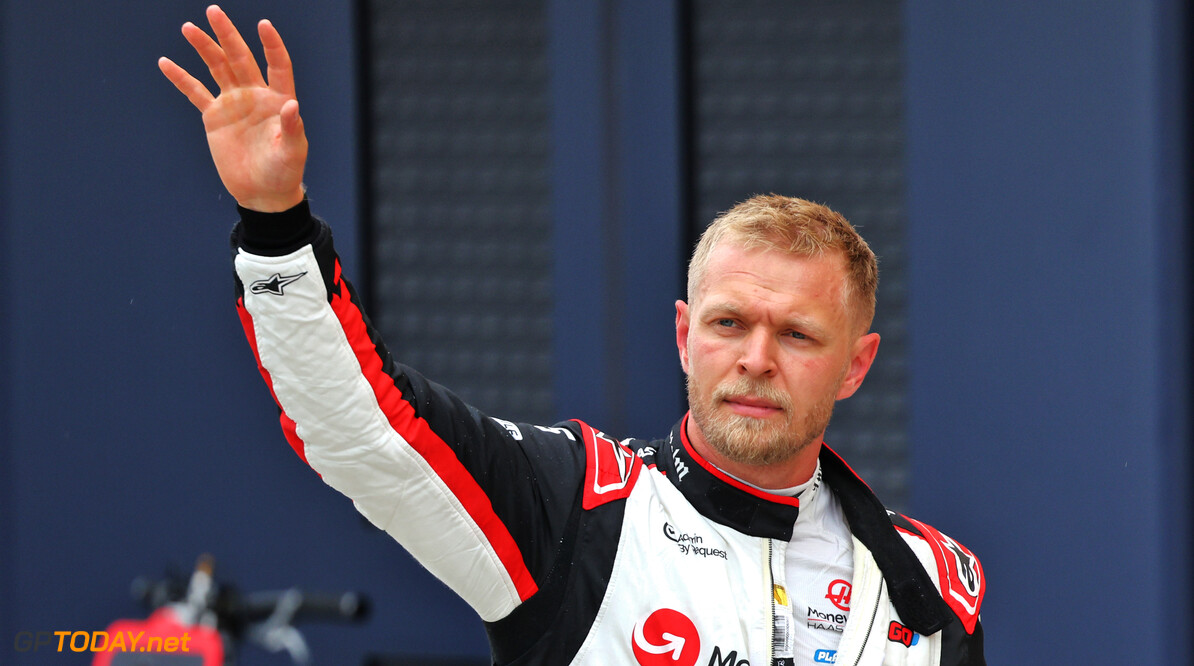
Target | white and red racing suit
(572,546)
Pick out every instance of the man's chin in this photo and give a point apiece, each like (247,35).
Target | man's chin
(752,441)
(756,454)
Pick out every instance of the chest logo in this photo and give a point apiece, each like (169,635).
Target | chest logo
(839,594)
(691,544)
(666,637)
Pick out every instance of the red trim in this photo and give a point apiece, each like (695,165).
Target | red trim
(907,531)
(289,429)
(965,605)
(610,468)
(709,467)
(417,432)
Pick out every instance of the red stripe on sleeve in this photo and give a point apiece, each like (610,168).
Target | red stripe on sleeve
(288,426)
(428,444)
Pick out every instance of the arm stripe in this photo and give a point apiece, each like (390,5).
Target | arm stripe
(418,433)
(289,429)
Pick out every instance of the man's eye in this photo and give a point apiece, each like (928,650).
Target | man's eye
(728,323)
(798,335)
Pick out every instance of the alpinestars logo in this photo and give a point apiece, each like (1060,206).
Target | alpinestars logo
(275,284)
(666,637)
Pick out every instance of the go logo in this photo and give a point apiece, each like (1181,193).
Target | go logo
(666,638)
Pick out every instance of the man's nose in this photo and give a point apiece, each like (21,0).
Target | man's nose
(758,354)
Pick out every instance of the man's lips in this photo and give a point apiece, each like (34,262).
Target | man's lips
(753,407)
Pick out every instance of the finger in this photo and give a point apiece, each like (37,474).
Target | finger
(188,85)
(213,56)
(280,71)
(292,122)
(240,58)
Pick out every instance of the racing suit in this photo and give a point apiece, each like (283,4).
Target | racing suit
(572,546)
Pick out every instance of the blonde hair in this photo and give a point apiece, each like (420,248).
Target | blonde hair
(795,226)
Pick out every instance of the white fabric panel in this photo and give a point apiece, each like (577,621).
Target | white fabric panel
(348,440)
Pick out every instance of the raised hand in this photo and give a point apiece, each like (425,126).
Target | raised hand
(253,127)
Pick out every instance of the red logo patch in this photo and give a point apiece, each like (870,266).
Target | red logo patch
(666,638)
(610,471)
(839,594)
(900,634)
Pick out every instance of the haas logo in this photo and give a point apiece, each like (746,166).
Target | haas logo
(839,594)
(666,638)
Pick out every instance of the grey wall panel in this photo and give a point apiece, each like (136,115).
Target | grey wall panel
(460,226)
(805,99)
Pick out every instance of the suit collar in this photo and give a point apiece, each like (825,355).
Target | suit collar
(729,502)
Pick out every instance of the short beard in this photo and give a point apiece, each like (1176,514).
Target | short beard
(751,441)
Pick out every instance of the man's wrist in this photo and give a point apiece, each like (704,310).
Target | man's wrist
(275,204)
(269,232)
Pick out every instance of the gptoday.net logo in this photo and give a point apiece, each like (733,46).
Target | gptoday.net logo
(98,641)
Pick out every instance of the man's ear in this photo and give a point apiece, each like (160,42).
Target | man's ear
(865,349)
(682,333)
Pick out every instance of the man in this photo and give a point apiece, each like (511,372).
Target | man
(738,539)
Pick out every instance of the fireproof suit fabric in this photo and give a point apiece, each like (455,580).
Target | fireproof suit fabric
(573,547)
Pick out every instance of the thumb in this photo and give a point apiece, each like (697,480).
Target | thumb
(292,122)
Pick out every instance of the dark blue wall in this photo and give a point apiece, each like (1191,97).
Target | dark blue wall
(136,430)
(1049,357)
(616,205)
(1048,318)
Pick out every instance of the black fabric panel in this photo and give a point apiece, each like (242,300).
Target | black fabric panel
(962,649)
(719,501)
(276,234)
(911,588)
(551,626)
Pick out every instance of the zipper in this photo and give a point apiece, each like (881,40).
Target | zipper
(781,621)
(870,625)
(771,596)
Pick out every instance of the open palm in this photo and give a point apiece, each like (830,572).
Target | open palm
(253,127)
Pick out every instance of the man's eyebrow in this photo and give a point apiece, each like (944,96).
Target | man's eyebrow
(725,308)
(796,323)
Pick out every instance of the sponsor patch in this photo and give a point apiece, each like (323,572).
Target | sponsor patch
(898,633)
(691,544)
(666,637)
(825,620)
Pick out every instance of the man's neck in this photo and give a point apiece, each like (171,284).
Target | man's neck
(791,472)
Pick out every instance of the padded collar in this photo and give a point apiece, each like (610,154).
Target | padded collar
(729,502)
